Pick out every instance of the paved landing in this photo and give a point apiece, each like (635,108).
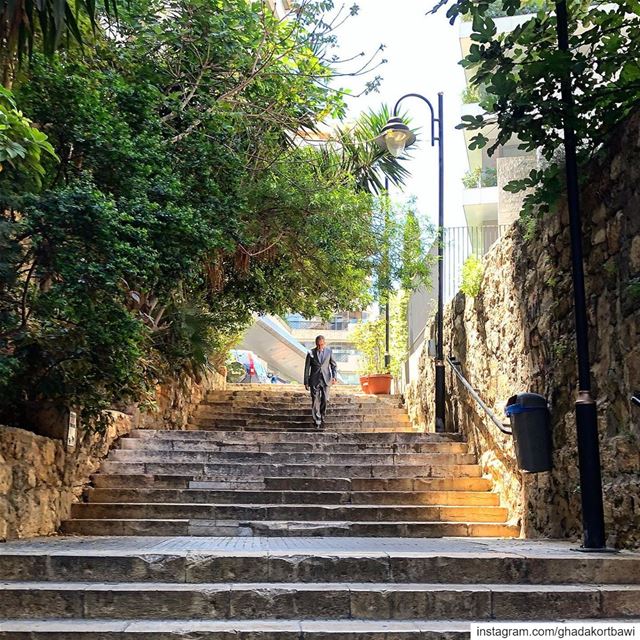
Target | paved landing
(69,545)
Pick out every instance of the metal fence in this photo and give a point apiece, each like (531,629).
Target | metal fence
(461,242)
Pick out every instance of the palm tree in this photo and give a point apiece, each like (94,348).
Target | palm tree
(49,21)
(364,159)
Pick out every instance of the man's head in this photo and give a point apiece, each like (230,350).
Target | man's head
(320,342)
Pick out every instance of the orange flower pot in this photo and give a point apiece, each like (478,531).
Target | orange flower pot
(376,383)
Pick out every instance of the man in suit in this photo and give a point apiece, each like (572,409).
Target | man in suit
(320,371)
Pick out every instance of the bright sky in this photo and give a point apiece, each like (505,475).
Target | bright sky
(422,52)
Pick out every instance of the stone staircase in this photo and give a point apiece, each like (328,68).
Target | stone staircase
(250,526)
(301,589)
(252,464)
(279,407)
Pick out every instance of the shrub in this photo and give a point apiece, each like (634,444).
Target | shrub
(472,274)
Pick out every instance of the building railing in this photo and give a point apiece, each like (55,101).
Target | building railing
(341,324)
(459,244)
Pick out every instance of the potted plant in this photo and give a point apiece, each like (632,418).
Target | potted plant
(369,341)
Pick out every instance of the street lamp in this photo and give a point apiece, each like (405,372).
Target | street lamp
(586,412)
(395,137)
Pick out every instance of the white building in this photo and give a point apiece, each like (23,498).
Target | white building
(486,204)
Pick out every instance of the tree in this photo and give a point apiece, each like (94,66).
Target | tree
(184,200)
(369,338)
(402,264)
(22,146)
(23,23)
(401,258)
(520,73)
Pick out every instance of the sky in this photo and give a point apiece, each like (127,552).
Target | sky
(423,53)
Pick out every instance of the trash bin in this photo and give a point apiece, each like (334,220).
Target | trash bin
(531,426)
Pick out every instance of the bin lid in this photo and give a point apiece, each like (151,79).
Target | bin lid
(524,402)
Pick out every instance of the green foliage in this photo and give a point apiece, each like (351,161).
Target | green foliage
(22,146)
(496,9)
(25,24)
(470,95)
(478,178)
(401,257)
(521,71)
(415,264)
(369,163)
(183,201)
(369,340)
(632,291)
(472,275)
(399,330)
(66,331)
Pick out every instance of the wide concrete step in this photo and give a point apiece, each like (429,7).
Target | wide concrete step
(335,407)
(333,411)
(471,483)
(293,458)
(291,483)
(209,496)
(210,445)
(337,391)
(300,420)
(243,629)
(286,528)
(330,601)
(298,396)
(303,512)
(342,417)
(187,561)
(240,470)
(234,630)
(225,424)
(308,436)
(336,403)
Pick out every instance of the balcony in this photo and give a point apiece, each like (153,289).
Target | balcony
(480,206)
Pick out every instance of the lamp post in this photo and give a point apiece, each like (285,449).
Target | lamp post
(395,137)
(586,412)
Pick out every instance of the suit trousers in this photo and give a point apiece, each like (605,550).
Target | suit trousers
(319,400)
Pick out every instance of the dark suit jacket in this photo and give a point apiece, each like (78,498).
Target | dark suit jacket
(316,372)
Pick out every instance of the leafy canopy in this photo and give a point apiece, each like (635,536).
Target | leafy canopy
(519,73)
(185,198)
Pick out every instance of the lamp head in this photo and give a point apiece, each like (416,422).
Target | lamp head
(395,137)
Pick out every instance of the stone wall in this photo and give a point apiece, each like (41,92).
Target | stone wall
(518,335)
(40,479)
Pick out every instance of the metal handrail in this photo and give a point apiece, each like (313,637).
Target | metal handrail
(635,398)
(455,365)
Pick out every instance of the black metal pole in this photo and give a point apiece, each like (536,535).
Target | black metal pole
(440,385)
(439,365)
(586,413)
